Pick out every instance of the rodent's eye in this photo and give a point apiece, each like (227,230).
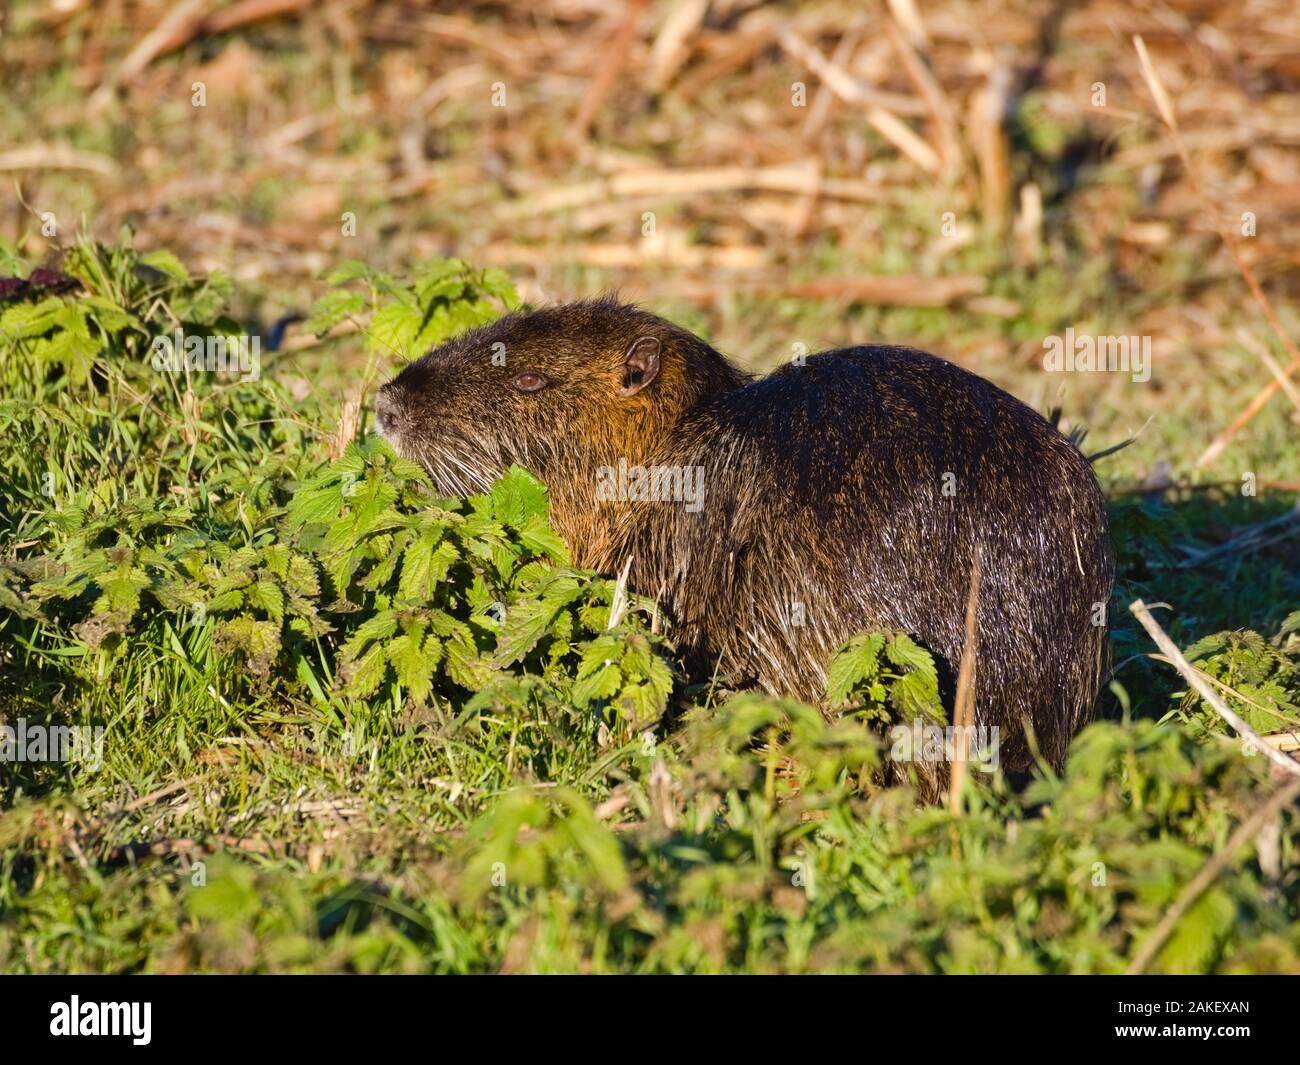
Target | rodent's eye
(530,381)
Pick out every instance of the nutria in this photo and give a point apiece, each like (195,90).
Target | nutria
(851,492)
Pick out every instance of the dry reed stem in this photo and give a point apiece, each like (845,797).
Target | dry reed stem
(179,23)
(941,112)
(1176,659)
(964,703)
(671,47)
(988,136)
(848,89)
(1251,344)
(614,60)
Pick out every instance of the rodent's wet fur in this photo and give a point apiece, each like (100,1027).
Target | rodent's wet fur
(847,494)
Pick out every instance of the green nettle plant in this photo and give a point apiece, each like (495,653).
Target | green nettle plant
(444,298)
(1263,677)
(401,732)
(885,678)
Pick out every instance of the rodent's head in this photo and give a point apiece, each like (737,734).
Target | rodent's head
(559,391)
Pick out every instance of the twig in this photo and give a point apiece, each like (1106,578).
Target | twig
(1248,829)
(910,22)
(820,110)
(1284,382)
(661,181)
(164,848)
(988,136)
(184,23)
(846,87)
(152,797)
(670,49)
(615,57)
(56,157)
(249,11)
(1176,659)
(1248,537)
(945,122)
(892,290)
(180,23)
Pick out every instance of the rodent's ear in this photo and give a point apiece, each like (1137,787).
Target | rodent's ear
(640,365)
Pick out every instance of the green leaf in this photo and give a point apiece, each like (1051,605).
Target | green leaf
(362,676)
(423,566)
(857,662)
(412,665)
(517,496)
(537,535)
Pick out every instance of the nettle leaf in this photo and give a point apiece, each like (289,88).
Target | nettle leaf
(370,505)
(661,679)
(1199,934)
(859,661)
(388,550)
(517,496)
(915,695)
(1206,646)
(267,595)
(258,640)
(361,676)
(562,628)
(348,270)
(405,469)
(224,602)
(1291,624)
(528,620)
(27,321)
(168,263)
(301,577)
(503,556)
(120,590)
(638,657)
(74,349)
(496,282)
(599,680)
(526,623)
(424,566)
(466,666)
(642,704)
(394,329)
(316,507)
(916,691)
(379,627)
(905,653)
(537,535)
(334,307)
(413,664)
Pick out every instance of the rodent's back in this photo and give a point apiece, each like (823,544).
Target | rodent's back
(855,492)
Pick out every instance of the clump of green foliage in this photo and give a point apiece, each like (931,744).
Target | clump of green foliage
(409,316)
(1261,675)
(353,726)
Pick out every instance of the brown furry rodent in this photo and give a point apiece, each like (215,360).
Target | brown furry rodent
(849,493)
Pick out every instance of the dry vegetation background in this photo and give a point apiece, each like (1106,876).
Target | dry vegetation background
(773,224)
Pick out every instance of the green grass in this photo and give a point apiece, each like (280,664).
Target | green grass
(353,727)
